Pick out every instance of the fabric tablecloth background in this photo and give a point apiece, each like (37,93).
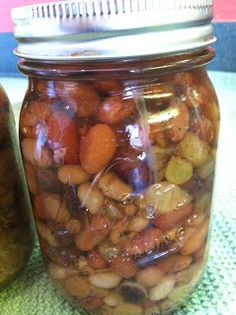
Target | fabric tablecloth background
(33,294)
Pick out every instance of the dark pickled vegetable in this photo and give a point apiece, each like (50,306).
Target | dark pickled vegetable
(15,228)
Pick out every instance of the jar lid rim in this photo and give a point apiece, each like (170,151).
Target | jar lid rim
(111,29)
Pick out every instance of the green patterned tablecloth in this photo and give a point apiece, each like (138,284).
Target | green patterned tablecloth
(33,294)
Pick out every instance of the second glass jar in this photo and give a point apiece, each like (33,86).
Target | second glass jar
(120,160)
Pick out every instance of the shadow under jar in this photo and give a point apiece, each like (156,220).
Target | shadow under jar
(119,154)
(16,236)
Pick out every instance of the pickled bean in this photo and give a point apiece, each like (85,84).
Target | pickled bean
(150,276)
(73,226)
(195,240)
(113,299)
(179,124)
(105,280)
(78,286)
(55,208)
(138,224)
(35,153)
(114,188)
(96,260)
(80,95)
(97,148)
(114,109)
(47,234)
(59,272)
(90,197)
(143,242)
(203,128)
(33,119)
(72,174)
(207,168)
(118,231)
(93,233)
(124,267)
(167,221)
(112,210)
(174,263)
(162,289)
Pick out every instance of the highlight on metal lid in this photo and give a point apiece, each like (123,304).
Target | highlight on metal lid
(111,29)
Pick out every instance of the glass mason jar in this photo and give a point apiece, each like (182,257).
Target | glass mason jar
(119,154)
(16,236)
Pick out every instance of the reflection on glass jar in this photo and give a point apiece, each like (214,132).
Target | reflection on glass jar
(15,229)
(120,170)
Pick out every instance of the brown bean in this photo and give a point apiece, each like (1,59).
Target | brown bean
(72,174)
(80,95)
(97,148)
(114,109)
(96,260)
(168,221)
(143,242)
(179,124)
(73,226)
(125,267)
(195,240)
(36,153)
(93,233)
(79,286)
(174,263)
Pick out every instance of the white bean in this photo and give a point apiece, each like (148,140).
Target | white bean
(113,187)
(149,276)
(163,289)
(90,197)
(55,208)
(113,299)
(59,272)
(137,224)
(105,280)
(72,174)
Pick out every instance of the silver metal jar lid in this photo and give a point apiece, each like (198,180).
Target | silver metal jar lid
(109,29)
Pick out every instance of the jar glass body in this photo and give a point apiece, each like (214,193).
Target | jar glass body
(119,158)
(16,236)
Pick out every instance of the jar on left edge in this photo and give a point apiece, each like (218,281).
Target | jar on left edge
(16,233)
